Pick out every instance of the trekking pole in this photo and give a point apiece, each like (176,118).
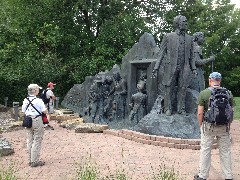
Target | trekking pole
(212,61)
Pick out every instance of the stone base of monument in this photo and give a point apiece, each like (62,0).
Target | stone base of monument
(5,147)
(176,125)
(155,140)
(90,128)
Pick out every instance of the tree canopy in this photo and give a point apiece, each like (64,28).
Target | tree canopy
(64,41)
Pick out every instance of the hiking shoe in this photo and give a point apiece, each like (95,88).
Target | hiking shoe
(49,127)
(196,177)
(39,163)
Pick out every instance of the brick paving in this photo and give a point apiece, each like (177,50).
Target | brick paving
(64,151)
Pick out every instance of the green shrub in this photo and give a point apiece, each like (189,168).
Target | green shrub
(87,171)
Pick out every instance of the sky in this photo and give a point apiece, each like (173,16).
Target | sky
(237,2)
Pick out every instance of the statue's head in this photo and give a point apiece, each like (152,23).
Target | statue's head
(98,79)
(180,22)
(116,76)
(143,76)
(108,80)
(198,37)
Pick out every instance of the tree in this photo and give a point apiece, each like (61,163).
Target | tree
(64,41)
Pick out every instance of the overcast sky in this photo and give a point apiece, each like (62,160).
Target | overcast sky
(237,2)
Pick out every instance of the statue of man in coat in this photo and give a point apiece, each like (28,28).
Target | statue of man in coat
(176,62)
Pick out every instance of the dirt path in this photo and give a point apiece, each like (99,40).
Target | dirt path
(63,150)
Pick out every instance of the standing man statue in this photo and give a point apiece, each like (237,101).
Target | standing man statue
(176,59)
(93,101)
(120,93)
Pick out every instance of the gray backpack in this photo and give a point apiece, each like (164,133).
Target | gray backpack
(220,111)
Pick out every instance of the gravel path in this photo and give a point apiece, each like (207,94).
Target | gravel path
(63,150)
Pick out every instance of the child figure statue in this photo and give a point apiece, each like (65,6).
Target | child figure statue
(138,105)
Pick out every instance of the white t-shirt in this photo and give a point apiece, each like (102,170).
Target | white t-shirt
(37,103)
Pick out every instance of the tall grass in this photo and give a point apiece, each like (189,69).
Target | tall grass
(164,173)
(236,108)
(7,174)
(89,171)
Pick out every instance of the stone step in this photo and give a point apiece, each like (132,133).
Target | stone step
(90,128)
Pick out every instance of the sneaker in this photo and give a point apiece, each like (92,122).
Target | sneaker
(39,163)
(196,177)
(49,127)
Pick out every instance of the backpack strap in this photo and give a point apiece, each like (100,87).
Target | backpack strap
(45,93)
(30,102)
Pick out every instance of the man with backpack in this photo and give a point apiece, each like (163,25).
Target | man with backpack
(48,98)
(215,114)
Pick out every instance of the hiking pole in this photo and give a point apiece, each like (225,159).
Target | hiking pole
(212,61)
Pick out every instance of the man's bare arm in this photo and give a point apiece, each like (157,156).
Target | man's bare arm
(200,114)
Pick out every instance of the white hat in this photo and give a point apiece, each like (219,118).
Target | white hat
(33,86)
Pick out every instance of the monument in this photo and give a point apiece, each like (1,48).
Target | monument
(151,92)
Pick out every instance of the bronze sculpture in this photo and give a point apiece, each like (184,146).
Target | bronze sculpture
(176,59)
(120,93)
(138,104)
(198,82)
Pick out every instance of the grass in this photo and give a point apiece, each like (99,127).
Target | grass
(89,171)
(7,174)
(164,173)
(236,108)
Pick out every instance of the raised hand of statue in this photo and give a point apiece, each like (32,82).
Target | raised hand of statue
(154,73)
(194,73)
(211,59)
(131,106)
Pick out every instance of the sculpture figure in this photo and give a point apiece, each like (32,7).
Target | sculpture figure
(138,105)
(142,82)
(107,85)
(96,101)
(176,59)
(198,83)
(120,92)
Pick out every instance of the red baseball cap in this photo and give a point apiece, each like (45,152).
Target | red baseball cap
(51,84)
